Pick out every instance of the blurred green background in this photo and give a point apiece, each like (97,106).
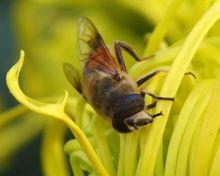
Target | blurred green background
(26,161)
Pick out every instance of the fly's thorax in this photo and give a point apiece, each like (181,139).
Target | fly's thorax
(95,83)
(129,80)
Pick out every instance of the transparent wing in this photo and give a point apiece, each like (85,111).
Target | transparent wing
(94,52)
(73,76)
(89,38)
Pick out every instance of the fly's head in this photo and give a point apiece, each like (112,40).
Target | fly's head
(130,114)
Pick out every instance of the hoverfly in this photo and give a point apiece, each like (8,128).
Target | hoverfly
(105,83)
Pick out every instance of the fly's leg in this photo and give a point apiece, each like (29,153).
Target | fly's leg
(150,75)
(118,51)
(156,97)
(153,116)
(191,74)
(158,114)
(152,105)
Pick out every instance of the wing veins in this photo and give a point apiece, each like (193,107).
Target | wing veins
(98,54)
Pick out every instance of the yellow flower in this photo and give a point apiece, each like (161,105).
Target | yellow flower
(185,141)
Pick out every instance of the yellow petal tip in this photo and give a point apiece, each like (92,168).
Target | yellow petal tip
(22,53)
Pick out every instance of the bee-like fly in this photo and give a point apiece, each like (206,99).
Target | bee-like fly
(105,83)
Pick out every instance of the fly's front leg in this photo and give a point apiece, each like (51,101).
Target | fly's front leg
(151,106)
(154,73)
(156,115)
(118,51)
(156,97)
(150,75)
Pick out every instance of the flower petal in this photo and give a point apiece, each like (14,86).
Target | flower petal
(55,110)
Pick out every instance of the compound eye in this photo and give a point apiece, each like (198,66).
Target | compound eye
(130,104)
